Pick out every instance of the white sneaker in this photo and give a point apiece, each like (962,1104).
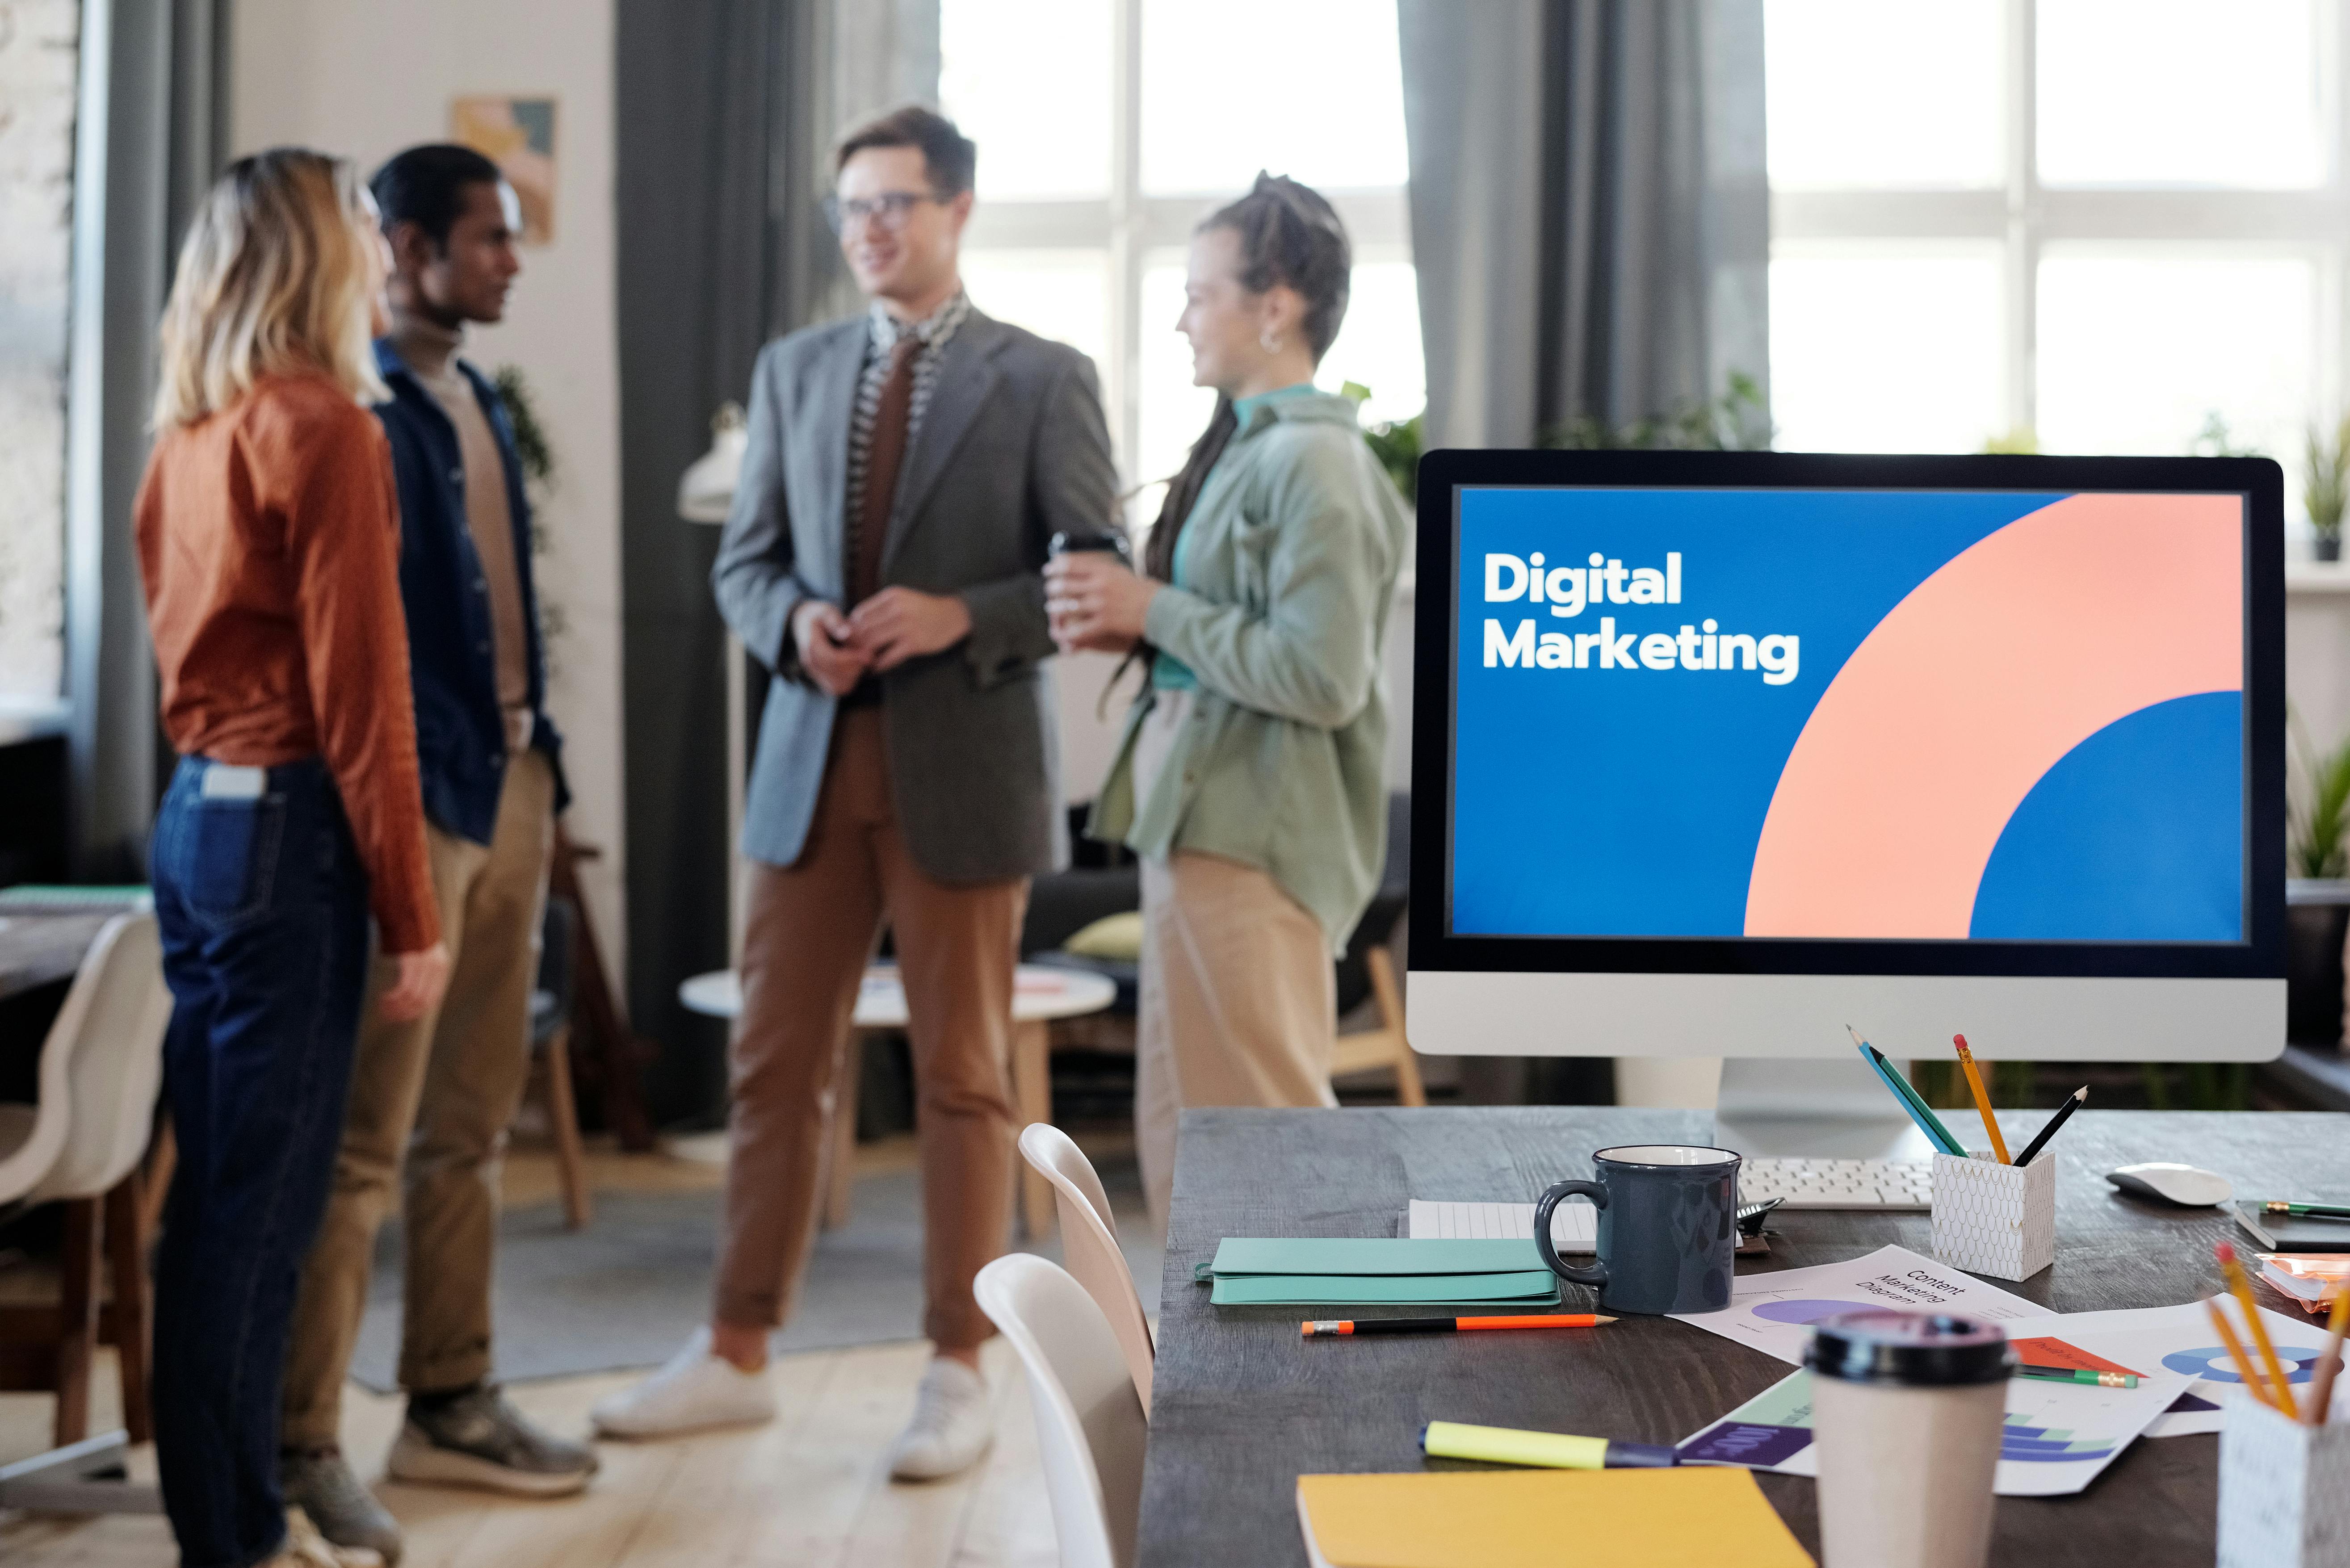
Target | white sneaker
(952,1425)
(696,1390)
(306,1548)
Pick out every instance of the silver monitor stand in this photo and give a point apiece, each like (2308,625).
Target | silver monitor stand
(1823,1107)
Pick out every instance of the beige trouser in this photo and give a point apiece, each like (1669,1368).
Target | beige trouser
(809,929)
(1239,1003)
(431,1101)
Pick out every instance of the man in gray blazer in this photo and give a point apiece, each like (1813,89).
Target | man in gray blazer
(906,469)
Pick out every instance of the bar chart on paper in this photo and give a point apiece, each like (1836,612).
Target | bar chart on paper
(2058,1436)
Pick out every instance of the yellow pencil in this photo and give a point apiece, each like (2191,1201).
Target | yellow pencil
(2241,1286)
(1982,1100)
(2236,1354)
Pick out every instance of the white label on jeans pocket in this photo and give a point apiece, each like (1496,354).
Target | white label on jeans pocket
(223,782)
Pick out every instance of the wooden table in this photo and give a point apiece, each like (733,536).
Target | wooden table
(41,949)
(1040,993)
(1240,1406)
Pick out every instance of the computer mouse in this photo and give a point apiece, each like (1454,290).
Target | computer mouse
(2181,1186)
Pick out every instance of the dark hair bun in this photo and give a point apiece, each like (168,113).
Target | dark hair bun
(1290,234)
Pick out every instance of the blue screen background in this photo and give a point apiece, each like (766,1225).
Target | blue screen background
(1628,803)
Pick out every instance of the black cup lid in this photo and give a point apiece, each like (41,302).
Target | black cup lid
(1908,1349)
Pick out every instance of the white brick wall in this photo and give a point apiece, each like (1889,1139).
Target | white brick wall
(38,58)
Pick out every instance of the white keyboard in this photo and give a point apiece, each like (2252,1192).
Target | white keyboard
(1881,1184)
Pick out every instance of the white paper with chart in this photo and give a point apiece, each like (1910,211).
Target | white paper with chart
(2058,1436)
(2181,1339)
(1773,1312)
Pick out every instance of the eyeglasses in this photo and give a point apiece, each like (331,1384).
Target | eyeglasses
(887,212)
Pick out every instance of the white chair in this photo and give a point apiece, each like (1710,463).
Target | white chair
(100,1069)
(1089,1244)
(1089,1425)
(110,1035)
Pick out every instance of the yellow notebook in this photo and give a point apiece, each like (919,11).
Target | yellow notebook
(1701,1516)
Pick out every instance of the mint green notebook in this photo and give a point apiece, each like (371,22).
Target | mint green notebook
(1370,1255)
(1538,1287)
(1309,1270)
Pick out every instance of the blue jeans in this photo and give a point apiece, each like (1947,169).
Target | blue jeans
(261,904)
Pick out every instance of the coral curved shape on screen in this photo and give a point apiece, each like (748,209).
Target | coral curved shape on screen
(1975,685)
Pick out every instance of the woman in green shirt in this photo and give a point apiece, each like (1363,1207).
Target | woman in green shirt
(1250,779)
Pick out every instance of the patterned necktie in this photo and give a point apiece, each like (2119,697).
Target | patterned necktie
(882,462)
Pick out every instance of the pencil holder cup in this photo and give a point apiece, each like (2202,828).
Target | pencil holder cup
(2284,1490)
(1994,1218)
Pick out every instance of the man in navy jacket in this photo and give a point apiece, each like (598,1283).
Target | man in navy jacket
(430,1099)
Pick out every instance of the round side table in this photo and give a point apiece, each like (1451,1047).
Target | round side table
(1040,993)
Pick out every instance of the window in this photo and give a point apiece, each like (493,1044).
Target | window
(2098,223)
(37,62)
(1108,128)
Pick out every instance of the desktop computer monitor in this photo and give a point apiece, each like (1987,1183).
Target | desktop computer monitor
(1717,752)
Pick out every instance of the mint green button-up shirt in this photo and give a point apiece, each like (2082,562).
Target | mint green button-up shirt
(1289,564)
(1167,672)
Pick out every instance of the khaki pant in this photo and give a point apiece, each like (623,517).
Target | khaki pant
(431,1101)
(809,929)
(1239,1003)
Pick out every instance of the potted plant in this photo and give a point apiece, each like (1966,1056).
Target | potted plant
(1395,442)
(2317,894)
(2325,485)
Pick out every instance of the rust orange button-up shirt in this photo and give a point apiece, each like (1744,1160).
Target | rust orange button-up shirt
(269,542)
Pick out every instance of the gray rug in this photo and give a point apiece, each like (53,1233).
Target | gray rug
(627,1290)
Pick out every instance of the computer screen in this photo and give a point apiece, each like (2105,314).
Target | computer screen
(1784,714)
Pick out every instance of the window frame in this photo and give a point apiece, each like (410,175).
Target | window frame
(1132,227)
(2024,217)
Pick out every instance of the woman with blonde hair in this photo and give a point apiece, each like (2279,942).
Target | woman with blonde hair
(268,542)
(1250,778)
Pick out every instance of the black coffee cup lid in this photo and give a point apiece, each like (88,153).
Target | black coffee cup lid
(1908,1349)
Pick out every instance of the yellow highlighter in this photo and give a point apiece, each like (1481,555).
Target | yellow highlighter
(1548,1450)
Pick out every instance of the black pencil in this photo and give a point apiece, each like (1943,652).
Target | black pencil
(2054,1122)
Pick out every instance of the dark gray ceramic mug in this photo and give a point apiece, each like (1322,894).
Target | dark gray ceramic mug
(1668,1225)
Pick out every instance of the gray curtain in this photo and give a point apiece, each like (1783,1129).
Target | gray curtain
(1589,209)
(151,135)
(721,247)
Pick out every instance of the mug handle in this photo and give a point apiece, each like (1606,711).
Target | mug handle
(1595,1276)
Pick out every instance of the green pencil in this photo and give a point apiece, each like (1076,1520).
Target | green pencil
(2078,1374)
(2321,1210)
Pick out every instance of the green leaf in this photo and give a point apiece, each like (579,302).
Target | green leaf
(1734,422)
(2316,805)
(531,445)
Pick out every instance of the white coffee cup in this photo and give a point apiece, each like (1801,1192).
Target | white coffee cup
(1907,1412)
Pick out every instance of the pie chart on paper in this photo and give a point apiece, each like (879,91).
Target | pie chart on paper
(2212,1363)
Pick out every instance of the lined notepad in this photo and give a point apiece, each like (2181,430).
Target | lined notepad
(1574,1227)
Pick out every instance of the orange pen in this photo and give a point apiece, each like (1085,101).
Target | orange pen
(1317,1328)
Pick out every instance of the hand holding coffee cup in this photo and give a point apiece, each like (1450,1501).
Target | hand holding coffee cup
(1668,1227)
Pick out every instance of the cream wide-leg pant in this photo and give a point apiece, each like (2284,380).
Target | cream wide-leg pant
(1239,1003)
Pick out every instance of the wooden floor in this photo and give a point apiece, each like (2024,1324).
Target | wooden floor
(811,1489)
